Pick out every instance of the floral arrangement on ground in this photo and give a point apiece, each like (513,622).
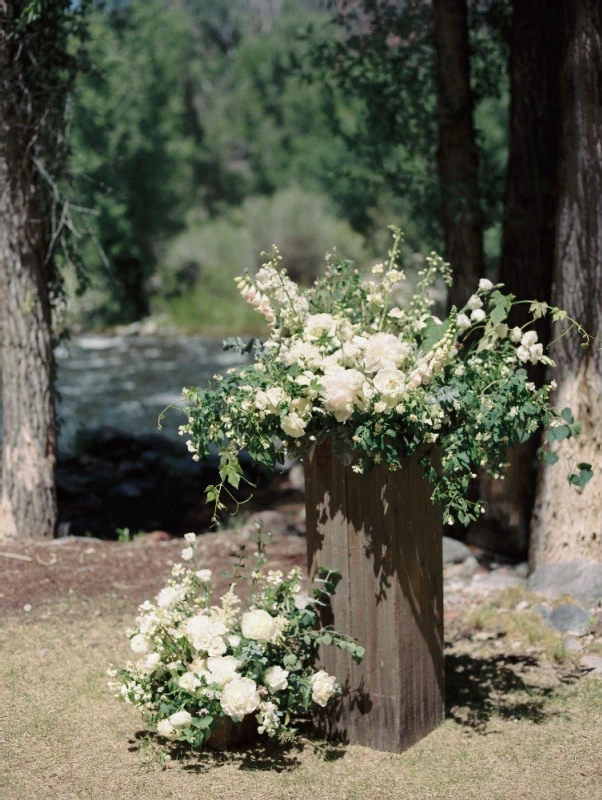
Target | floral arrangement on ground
(202,664)
(345,360)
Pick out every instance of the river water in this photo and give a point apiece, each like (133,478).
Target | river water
(127,381)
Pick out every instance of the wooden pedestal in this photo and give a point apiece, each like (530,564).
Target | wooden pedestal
(382,533)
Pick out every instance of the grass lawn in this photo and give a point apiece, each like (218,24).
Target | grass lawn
(512,731)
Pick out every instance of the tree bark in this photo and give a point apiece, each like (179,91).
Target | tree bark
(457,154)
(565,524)
(28,469)
(527,260)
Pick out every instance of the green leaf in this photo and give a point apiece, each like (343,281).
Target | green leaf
(567,415)
(549,457)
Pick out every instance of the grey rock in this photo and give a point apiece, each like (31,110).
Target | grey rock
(569,618)
(581,579)
(573,645)
(493,582)
(454,551)
(543,611)
(522,569)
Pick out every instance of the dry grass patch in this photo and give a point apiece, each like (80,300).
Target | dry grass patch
(64,737)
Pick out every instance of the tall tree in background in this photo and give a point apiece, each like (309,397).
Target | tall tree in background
(527,256)
(457,153)
(35,71)
(566,525)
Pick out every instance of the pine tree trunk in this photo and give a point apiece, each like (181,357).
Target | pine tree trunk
(567,525)
(457,155)
(527,262)
(28,458)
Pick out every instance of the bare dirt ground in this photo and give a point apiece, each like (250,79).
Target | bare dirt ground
(522,721)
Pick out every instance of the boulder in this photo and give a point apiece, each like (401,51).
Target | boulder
(454,551)
(569,618)
(581,579)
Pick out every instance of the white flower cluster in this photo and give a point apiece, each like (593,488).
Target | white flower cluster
(199,661)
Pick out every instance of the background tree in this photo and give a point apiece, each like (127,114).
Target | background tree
(527,254)
(457,152)
(566,525)
(36,71)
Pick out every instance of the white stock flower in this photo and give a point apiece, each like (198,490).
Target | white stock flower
(516,335)
(478,315)
(187,554)
(258,625)
(384,350)
(189,682)
(293,425)
(523,354)
(222,669)
(474,302)
(166,729)
(204,575)
(140,644)
(485,285)
(275,679)
(240,697)
(341,392)
(322,687)
(270,399)
(190,537)
(535,352)
(181,719)
(463,322)
(529,339)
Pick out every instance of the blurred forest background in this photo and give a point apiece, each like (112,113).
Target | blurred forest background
(205,130)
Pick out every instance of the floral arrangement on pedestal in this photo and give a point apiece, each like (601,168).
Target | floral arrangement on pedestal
(200,663)
(345,360)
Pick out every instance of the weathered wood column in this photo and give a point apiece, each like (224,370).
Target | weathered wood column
(381,531)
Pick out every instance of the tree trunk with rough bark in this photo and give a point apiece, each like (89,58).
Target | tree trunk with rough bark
(527,260)
(567,525)
(457,154)
(28,459)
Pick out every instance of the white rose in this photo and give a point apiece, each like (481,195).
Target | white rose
(485,285)
(384,350)
(293,425)
(181,719)
(270,400)
(275,679)
(317,325)
(140,644)
(523,354)
(529,339)
(478,315)
(257,625)
(222,669)
(187,554)
(234,641)
(199,667)
(169,596)
(303,351)
(322,687)
(190,537)
(166,729)
(150,663)
(204,575)
(380,407)
(217,646)
(474,302)
(463,322)
(189,682)
(240,697)
(390,382)
(516,335)
(341,392)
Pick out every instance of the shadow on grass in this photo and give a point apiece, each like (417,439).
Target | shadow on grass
(256,756)
(479,688)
